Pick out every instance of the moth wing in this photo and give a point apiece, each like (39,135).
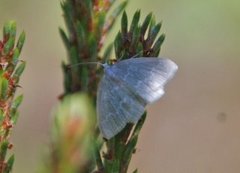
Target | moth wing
(116,106)
(145,76)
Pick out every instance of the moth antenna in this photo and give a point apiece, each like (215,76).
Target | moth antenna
(84,63)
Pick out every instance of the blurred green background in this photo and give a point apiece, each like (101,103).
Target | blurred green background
(195,127)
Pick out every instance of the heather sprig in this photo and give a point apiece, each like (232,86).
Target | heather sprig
(88,23)
(11,69)
(138,40)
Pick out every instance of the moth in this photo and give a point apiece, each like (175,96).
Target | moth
(127,87)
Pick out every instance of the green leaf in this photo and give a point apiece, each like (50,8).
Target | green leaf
(64,38)
(135,21)
(89,5)
(67,78)
(154,32)
(15,57)
(146,24)
(14,116)
(139,125)
(21,41)
(108,166)
(115,166)
(20,69)
(13,30)
(16,103)
(130,147)
(10,163)
(9,30)
(124,24)
(100,24)
(93,46)
(67,9)
(8,45)
(151,26)
(81,35)
(6,30)
(135,40)
(3,149)
(4,88)
(118,44)
(157,46)
(73,56)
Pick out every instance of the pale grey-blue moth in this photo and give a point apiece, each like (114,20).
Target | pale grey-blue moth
(127,87)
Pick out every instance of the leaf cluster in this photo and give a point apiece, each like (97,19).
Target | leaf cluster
(88,22)
(138,39)
(11,69)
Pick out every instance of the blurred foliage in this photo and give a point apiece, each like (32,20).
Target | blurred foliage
(11,69)
(72,136)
